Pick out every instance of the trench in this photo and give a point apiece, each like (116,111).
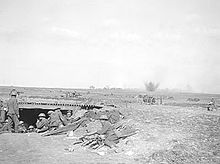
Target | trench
(29,116)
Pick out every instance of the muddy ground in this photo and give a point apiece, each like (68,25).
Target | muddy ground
(167,135)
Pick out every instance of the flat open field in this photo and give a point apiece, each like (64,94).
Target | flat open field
(177,132)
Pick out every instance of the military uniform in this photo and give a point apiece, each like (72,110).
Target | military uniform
(22,128)
(91,114)
(113,116)
(54,120)
(2,111)
(5,127)
(31,129)
(13,113)
(108,130)
(62,119)
(42,125)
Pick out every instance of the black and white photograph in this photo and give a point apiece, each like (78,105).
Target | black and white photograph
(109,81)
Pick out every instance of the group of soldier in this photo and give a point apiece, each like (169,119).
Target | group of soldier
(12,123)
(55,119)
(107,118)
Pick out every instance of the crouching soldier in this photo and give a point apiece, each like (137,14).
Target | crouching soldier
(107,132)
(5,126)
(114,116)
(63,121)
(42,123)
(56,119)
(31,129)
(68,117)
(21,127)
(53,120)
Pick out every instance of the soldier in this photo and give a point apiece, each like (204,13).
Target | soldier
(21,127)
(5,126)
(42,123)
(2,111)
(91,114)
(68,117)
(1,103)
(62,119)
(79,113)
(31,129)
(107,132)
(13,92)
(13,112)
(211,105)
(114,116)
(54,120)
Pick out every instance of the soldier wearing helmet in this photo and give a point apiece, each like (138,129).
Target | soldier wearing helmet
(42,123)
(21,127)
(13,92)
(42,115)
(31,129)
(68,117)
(5,126)
(13,111)
(56,119)
(107,132)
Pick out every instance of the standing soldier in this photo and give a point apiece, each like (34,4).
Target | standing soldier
(211,105)
(13,111)
(2,111)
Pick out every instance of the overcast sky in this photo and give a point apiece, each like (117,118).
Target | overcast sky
(120,43)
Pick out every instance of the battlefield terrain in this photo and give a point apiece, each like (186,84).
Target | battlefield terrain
(178,131)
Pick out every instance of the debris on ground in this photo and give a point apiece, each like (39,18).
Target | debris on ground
(123,129)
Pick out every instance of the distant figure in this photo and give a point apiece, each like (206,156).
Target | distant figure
(13,111)
(161,100)
(42,123)
(1,104)
(211,105)
(139,99)
(212,102)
